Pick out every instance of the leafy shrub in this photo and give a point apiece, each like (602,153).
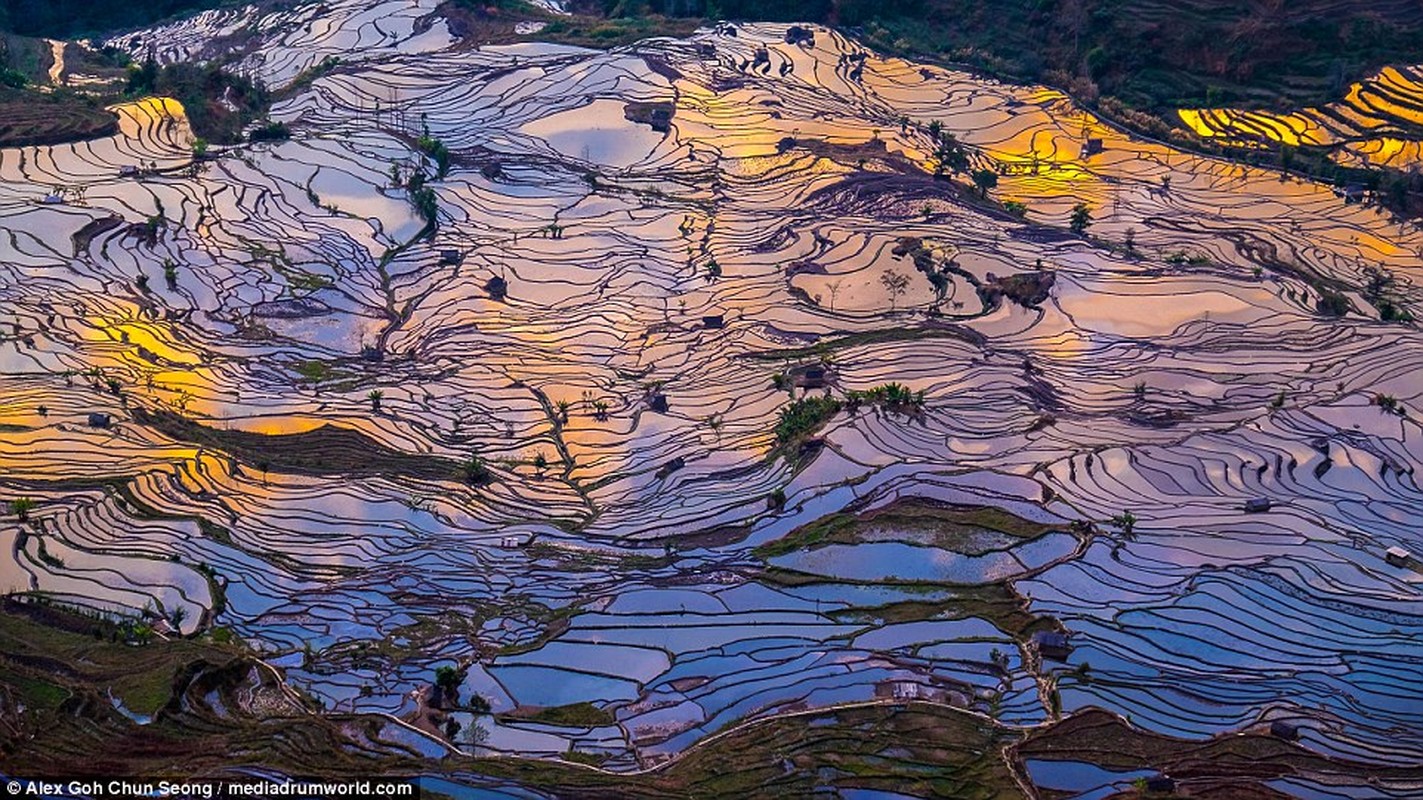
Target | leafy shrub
(804,416)
(891,395)
(1332,303)
(271,132)
(434,148)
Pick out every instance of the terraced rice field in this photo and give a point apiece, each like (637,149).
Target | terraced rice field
(621,564)
(1377,123)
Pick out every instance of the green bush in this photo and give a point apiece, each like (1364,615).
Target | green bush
(22,507)
(1332,303)
(271,132)
(892,395)
(434,148)
(804,416)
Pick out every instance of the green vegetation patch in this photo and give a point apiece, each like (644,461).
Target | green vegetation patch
(23,60)
(314,371)
(920,521)
(834,528)
(574,715)
(327,450)
(436,150)
(804,417)
(50,659)
(1235,761)
(69,19)
(998,603)
(827,347)
(36,693)
(49,653)
(218,103)
(34,118)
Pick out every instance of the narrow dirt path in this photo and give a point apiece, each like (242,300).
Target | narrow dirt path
(56,70)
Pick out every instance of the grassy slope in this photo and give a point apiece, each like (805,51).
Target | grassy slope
(58,671)
(1151,53)
(32,117)
(28,117)
(69,19)
(1135,62)
(1143,58)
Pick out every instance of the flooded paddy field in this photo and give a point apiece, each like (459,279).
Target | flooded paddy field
(1375,123)
(544,430)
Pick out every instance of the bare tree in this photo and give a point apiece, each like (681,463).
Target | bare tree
(896,283)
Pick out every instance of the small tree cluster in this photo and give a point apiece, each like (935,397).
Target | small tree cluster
(435,149)
(1081,218)
(21,508)
(895,396)
(950,156)
(474,471)
(804,416)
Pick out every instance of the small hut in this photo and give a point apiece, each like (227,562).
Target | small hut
(497,287)
(1255,505)
(1160,785)
(812,377)
(796,34)
(1052,645)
